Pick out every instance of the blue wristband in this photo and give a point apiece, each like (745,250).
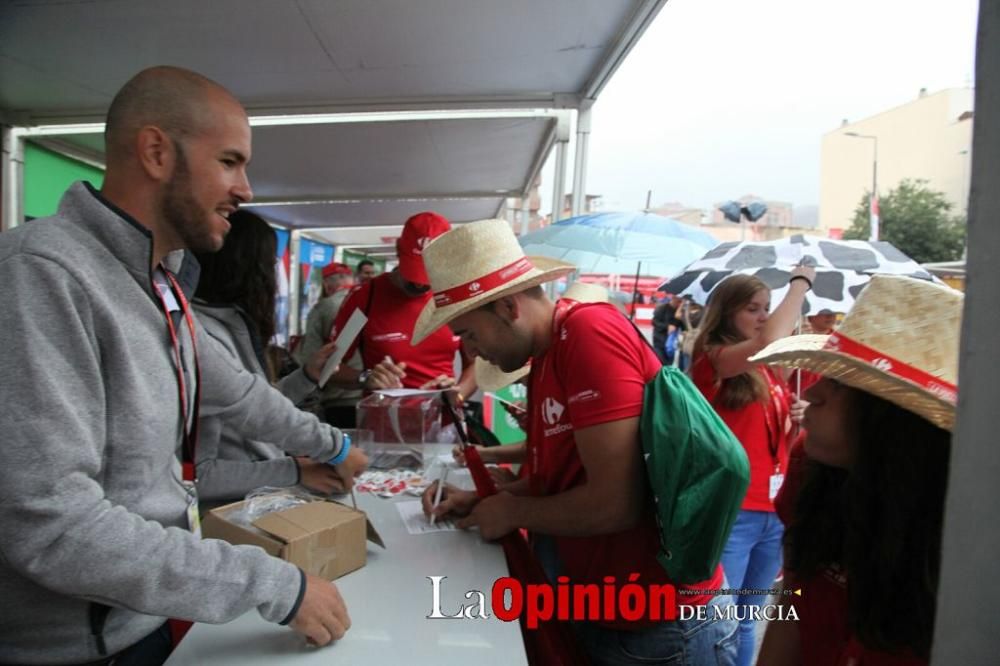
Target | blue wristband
(344,450)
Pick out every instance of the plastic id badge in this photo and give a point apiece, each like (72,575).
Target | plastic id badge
(776,480)
(193,516)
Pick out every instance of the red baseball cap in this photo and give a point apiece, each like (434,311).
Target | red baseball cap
(417,232)
(335,268)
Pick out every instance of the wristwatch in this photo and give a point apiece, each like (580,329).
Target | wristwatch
(363,377)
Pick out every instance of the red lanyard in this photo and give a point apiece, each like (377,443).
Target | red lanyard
(773,413)
(535,380)
(190,434)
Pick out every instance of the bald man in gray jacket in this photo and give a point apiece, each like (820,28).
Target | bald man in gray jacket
(101,377)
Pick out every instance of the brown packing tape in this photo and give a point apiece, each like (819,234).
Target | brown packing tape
(215,526)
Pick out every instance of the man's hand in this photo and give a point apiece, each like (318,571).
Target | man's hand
(320,477)
(454,502)
(355,463)
(501,475)
(314,365)
(519,411)
(439,382)
(495,516)
(484,454)
(798,411)
(808,272)
(386,374)
(322,617)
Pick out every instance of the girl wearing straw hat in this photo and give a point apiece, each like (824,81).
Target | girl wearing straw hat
(587,488)
(755,405)
(864,500)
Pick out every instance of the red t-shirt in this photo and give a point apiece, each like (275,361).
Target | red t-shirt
(391,318)
(594,372)
(761,429)
(824,636)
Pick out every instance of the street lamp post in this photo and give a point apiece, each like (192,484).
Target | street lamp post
(873,199)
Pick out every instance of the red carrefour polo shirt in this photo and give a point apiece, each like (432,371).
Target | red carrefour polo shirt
(391,316)
(594,372)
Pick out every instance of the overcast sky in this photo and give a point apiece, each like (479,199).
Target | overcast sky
(722,98)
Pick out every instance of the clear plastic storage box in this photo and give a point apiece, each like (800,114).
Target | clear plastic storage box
(402,428)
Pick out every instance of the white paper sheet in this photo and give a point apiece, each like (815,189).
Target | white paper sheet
(416,522)
(344,340)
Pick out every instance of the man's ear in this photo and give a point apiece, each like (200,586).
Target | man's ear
(156,153)
(507,308)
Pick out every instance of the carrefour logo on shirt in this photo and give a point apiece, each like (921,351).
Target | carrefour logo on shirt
(552,411)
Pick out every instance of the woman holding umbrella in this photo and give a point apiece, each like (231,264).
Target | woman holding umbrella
(755,404)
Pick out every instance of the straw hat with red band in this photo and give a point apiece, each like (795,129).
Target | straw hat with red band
(475,264)
(490,377)
(899,342)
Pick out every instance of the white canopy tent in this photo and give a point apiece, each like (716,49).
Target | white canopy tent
(364,111)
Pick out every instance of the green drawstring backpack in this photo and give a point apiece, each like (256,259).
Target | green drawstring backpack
(698,473)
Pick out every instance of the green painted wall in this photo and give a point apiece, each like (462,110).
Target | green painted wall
(47,175)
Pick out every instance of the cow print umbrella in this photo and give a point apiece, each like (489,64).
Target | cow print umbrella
(843,268)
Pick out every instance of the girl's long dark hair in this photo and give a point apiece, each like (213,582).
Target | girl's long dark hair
(242,273)
(879,522)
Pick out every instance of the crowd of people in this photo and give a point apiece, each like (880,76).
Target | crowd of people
(137,391)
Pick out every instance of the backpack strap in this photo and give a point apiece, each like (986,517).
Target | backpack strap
(561,317)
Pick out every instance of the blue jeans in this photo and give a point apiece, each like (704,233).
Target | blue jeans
(751,560)
(694,642)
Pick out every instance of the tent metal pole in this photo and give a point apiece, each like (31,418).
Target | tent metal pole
(12,187)
(559,186)
(294,281)
(525,212)
(580,159)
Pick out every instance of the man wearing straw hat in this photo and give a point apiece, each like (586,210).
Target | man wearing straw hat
(587,486)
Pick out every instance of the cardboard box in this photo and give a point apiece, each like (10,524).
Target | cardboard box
(324,538)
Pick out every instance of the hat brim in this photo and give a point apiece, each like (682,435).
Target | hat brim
(432,317)
(490,377)
(806,352)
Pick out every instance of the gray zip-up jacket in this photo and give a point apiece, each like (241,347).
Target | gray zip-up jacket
(91,503)
(229,464)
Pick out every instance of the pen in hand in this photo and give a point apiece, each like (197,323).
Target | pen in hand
(437,494)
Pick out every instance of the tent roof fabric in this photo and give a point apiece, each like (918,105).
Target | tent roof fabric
(315,56)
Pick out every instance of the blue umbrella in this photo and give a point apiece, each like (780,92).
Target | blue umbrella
(615,243)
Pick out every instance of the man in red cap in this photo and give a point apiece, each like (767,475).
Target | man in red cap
(337,402)
(392,302)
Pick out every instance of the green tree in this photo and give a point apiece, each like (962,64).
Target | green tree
(917,220)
